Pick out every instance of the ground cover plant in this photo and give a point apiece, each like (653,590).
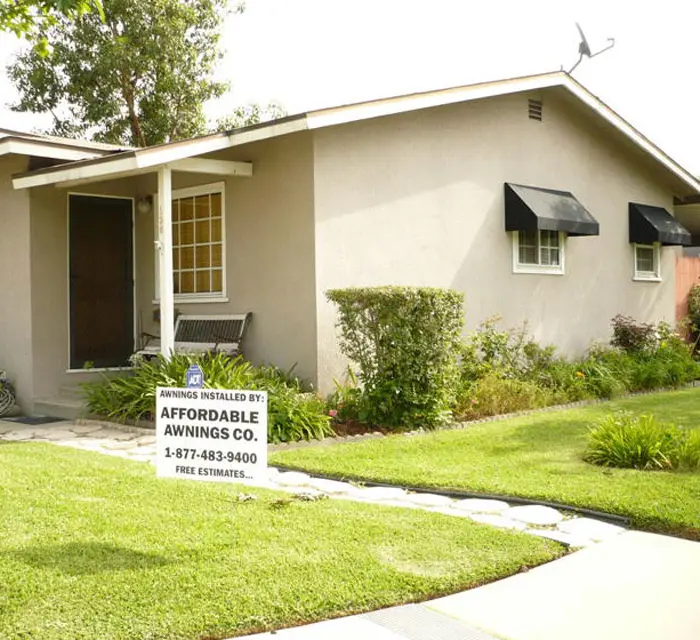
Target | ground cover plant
(643,442)
(97,547)
(294,413)
(539,456)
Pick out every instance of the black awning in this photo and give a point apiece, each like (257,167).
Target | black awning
(654,224)
(531,208)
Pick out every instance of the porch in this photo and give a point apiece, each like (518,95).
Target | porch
(235,241)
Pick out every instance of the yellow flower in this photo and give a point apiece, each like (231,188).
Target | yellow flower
(580,374)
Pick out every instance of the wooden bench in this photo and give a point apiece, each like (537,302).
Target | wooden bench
(202,334)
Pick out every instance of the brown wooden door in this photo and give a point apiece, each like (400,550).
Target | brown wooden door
(101,282)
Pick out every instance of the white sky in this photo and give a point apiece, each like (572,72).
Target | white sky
(313,53)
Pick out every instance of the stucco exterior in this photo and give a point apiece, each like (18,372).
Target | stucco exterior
(417,199)
(15,282)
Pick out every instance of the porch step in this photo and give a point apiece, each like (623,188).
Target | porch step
(61,406)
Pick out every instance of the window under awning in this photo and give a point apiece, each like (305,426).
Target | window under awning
(654,224)
(533,208)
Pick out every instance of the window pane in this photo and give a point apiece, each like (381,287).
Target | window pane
(217,280)
(186,233)
(645,259)
(176,259)
(527,247)
(187,282)
(186,209)
(202,231)
(549,238)
(216,254)
(176,235)
(203,281)
(201,206)
(203,258)
(176,282)
(187,258)
(175,209)
(215,205)
(216,230)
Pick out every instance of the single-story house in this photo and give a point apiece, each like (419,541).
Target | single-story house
(530,195)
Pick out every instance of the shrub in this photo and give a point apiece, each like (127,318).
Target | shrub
(694,303)
(632,442)
(494,395)
(405,342)
(293,414)
(632,336)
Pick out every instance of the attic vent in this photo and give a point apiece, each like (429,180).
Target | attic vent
(534,109)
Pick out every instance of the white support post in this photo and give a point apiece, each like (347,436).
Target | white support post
(165,248)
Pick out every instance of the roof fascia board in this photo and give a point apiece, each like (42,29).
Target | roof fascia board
(45,150)
(133,162)
(390,106)
(628,130)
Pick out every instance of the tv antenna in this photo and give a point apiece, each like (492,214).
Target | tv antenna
(585,50)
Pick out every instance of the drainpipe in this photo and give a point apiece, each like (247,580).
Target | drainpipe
(165,248)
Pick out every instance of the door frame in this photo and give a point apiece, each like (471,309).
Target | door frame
(133,272)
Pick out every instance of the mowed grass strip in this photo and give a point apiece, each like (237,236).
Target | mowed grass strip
(536,456)
(97,547)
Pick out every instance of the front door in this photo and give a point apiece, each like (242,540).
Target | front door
(101,281)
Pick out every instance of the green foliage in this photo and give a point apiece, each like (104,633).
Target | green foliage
(405,342)
(694,303)
(138,76)
(249,115)
(641,442)
(347,402)
(293,414)
(25,18)
(495,395)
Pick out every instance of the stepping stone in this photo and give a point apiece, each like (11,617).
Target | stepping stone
(113,434)
(18,435)
(145,440)
(330,486)
(292,478)
(58,434)
(379,493)
(449,511)
(565,538)
(480,505)
(498,521)
(534,514)
(429,499)
(589,528)
(85,428)
(114,446)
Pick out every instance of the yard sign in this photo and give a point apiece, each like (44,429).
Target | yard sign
(211,434)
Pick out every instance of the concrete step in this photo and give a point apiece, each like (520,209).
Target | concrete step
(60,406)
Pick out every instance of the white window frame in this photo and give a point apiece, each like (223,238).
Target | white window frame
(647,276)
(193,298)
(551,270)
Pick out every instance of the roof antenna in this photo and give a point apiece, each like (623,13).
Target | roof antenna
(585,50)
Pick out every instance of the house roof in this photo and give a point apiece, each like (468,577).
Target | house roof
(43,146)
(134,161)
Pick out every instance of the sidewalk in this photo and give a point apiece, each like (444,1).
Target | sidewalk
(636,586)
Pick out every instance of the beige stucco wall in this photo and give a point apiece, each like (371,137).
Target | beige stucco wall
(417,199)
(15,274)
(269,260)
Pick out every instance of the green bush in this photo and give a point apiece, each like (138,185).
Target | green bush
(404,342)
(495,395)
(293,414)
(632,336)
(641,442)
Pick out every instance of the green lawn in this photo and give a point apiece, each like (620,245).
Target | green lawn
(536,456)
(97,547)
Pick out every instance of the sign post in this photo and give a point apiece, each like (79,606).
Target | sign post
(211,434)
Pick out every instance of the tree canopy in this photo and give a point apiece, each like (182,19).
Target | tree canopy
(26,17)
(140,75)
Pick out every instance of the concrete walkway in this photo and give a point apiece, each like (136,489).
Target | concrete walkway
(622,585)
(637,586)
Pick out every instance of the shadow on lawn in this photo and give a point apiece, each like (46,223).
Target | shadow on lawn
(85,558)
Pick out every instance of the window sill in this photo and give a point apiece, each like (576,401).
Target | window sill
(196,300)
(538,271)
(647,279)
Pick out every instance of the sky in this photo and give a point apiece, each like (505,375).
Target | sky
(307,54)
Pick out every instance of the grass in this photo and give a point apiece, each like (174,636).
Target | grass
(97,547)
(536,456)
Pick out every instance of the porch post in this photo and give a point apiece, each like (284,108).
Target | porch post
(165,247)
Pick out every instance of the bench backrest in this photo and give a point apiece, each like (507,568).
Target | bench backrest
(224,329)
